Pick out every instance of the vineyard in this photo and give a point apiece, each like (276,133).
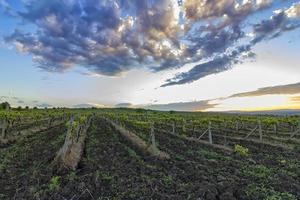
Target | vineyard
(76,154)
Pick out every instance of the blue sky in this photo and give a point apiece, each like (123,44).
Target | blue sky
(103,53)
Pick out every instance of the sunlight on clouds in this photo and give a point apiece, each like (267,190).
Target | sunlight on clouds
(295,99)
(248,77)
(98,105)
(267,102)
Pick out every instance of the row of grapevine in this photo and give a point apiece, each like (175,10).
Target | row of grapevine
(14,124)
(273,128)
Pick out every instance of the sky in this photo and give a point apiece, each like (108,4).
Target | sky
(189,55)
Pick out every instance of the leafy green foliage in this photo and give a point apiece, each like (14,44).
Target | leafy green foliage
(258,171)
(255,191)
(240,150)
(132,153)
(167,180)
(54,183)
(4,106)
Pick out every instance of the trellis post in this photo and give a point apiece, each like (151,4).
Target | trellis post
(237,126)
(173,127)
(50,122)
(152,138)
(292,128)
(183,126)
(3,127)
(209,133)
(193,128)
(275,128)
(225,138)
(260,131)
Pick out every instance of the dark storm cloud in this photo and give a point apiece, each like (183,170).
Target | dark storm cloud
(111,37)
(183,106)
(279,90)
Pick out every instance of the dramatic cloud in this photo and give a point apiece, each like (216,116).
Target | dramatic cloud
(293,11)
(280,22)
(216,65)
(107,37)
(280,90)
(110,37)
(183,106)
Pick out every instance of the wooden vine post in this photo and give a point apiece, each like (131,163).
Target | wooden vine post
(292,128)
(209,133)
(152,139)
(237,126)
(173,127)
(297,131)
(260,131)
(193,127)
(51,119)
(3,126)
(183,126)
(275,127)
(225,138)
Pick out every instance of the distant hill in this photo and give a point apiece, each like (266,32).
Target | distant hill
(84,105)
(270,112)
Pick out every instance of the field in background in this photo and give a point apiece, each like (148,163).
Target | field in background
(143,154)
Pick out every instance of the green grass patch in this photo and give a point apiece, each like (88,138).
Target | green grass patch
(257,171)
(54,183)
(255,191)
(132,153)
(240,150)
(167,180)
